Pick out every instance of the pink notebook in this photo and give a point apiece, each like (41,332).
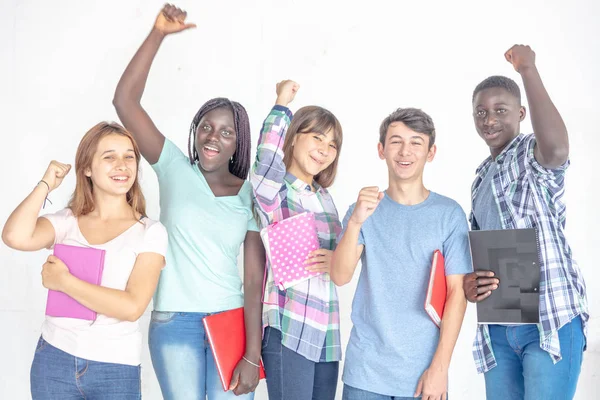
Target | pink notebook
(85,263)
(288,244)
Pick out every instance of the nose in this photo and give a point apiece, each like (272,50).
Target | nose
(490,119)
(324,149)
(121,163)
(404,149)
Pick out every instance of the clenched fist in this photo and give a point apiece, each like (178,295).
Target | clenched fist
(286,91)
(521,57)
(55,174)
(368,200)
(171,20)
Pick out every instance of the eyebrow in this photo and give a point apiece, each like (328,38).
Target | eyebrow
(208,121)
(401,138)
(112,151)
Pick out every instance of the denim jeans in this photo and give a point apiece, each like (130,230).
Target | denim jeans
(526,372)
(352,393)
(291,376)
(56,375)
(183,360)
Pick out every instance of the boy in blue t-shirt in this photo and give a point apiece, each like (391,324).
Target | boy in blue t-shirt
(395,350)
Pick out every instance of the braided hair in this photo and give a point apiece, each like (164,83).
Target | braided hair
(240,164)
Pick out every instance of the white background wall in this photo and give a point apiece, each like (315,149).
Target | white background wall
(61,60)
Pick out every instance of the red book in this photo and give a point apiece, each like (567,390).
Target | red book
(227,336)
(436,292)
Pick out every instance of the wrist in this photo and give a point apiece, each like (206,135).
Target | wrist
(439,365)
(353,224)
(282,101)
(44,185)
(65,282)
(254,361)
(527,70)
(157,34)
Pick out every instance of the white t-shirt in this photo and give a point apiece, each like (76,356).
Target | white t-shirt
(105,339)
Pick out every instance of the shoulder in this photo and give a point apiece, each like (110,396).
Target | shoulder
(447,205)
(64,215)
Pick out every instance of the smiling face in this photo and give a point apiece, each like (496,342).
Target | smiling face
(313,153)
(113,168)
(497,115)
(216,139)
(405,152)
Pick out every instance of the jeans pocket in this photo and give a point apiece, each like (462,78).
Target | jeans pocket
(162,317)
(41,344)
(265,340)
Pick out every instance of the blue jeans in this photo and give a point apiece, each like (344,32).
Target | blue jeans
(352,393)
(291,376)
(525,371)
(61,376)
(183,360)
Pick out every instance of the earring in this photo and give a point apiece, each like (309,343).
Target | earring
(231,159)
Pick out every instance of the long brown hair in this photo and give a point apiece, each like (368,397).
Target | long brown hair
(82,201)
(314,119)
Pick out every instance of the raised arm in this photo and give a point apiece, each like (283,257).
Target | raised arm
(348,251)
(24,230)
(130,89)
(268,171)
(552,149)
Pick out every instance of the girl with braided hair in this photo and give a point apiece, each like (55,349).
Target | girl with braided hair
(206,206)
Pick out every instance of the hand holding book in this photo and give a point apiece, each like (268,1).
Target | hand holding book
(54,273)
(319,261)
(479,285)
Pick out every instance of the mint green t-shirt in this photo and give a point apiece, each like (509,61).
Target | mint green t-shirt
(205,235)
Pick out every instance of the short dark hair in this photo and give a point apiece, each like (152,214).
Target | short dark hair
(240,165)
(498,81)
(414,118)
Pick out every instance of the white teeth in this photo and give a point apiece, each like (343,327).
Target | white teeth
(211,148)
(119,178)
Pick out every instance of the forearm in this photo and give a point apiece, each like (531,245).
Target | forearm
(268,171)
(113,303)
(133,82)
(21,224)
(345,257)
(253,315)
(548,126)
(454,313)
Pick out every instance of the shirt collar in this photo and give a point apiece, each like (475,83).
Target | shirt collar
(483,167)
(299,185)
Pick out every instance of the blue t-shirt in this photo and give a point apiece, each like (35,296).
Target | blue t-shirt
(205,235)
(393,339)
(485,208)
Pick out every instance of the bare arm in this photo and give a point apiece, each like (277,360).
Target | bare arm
(246,377)
(346,255)
(552,149)
(434,381)
(130,89)
(348,251)
(125,305)
(24,230)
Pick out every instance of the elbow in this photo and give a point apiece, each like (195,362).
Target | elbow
(339,279)
(134,313)
(9,238)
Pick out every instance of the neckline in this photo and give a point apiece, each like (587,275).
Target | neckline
(413,207)
(107,242)
(209,189)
